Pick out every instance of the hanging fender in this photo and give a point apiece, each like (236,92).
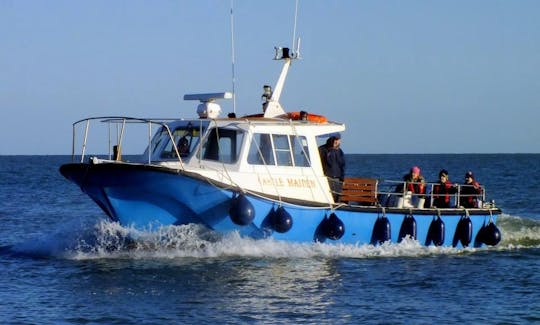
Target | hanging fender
(283,221)
(463,232)
(267,224)
(278,220)
(435,233)
(489,234)
(330,227)
(492,235)
(241,210)
(381,230)
(335,229)
(408,228)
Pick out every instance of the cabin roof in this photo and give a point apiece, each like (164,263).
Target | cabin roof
(277,124)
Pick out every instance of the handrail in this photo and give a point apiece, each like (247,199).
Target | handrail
(388,188)
(120,120)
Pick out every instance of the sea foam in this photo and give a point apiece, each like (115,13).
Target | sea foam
(106,239)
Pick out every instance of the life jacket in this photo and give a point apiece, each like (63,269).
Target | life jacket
(416,187)
(443,201)
(469,200)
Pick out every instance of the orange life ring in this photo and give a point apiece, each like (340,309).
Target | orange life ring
(310,117)
(295,116)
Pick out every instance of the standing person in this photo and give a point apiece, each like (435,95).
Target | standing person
(333,163)
(470,191)
(442,191)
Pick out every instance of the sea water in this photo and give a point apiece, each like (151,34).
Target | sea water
(62,261)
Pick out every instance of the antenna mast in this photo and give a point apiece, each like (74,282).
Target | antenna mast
(294,28)
(271,106)
(232,59)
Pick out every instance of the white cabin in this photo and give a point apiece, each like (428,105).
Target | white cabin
(271,156)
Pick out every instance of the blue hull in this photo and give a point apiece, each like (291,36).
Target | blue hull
(147,196)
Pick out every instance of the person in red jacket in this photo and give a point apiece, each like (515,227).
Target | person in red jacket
(470,191)
(442,191)
(414,181)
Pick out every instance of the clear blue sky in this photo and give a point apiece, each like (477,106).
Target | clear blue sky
(405,76)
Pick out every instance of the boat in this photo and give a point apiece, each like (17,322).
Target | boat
(261,176)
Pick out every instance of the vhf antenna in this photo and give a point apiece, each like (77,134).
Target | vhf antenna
(232,59)
(294,48)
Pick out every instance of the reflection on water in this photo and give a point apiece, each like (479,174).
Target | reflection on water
(187,273)
(286,287)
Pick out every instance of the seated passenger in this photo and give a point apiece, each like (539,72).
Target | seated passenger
(183,146)
(470,191)
(442,191)
(414,181)
(414,188)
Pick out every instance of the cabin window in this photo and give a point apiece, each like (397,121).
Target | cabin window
(223,145)
(278,149)
(157,141)
(185,138)
(282,148)
(260,150)
(300,151)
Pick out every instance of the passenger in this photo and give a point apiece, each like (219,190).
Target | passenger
(413,189)
(442,191)
(333,163)
(414,181)
(470,191)
(183,146)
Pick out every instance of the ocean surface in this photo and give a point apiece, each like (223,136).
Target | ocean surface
(63,262)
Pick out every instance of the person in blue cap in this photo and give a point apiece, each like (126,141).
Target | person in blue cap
(333,163)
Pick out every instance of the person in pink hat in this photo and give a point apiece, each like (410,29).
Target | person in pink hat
(414,181)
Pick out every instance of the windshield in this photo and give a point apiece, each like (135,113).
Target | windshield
(185,138)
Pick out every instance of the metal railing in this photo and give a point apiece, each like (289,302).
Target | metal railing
(395,194)
(114,151)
